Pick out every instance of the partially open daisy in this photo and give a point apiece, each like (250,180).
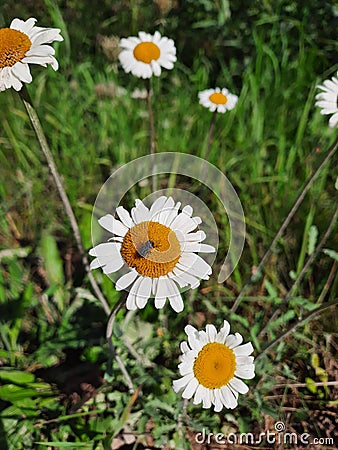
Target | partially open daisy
(144,55)
(219,100)
(211,367)
(23,44)
(328,99)
(157,246)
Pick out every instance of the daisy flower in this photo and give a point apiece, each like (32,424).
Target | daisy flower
(328,99)
(144,55)
(211,367)
(157,247)
(219,100)
(23,44)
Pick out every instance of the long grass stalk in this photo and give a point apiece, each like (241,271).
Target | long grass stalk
(109,335)
(24,95)
(286,222)
(292,327)
(210,135)
(36,124)
(151,135)
(302,273)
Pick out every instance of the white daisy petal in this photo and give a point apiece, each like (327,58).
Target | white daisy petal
(143,293)
(186,277)
(229,397)
(207,399)
(333,120)
(174,297)
(218,400)
(140,213)
(182,382)
(131,299)
(197,247)
(239,386)
(233,340)
(247,374)
(160,302)
(328,100)
(184,347)
(126,280)
(185,368)
(124,217)
(194,264)
(113,265)
(166,209)
(190,389)
(211,332)
(198,236)
(95,264)
(244,350)
(109,223)
(157,206)
(244,360)
(105,249)
(199,394)
(161,292)
(22,72)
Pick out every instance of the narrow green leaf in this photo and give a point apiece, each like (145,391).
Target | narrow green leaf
(65,444)
(16,376)
(331,253)
(313,235)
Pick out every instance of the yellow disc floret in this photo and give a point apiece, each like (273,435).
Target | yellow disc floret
(13,46)
(218,98)
(215,365)
(147,52)
(151,248)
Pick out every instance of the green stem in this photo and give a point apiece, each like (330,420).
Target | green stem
(309,316)
(286,222)
(24,95)
(210,134)
(302,272)
(109,335)
(151,135)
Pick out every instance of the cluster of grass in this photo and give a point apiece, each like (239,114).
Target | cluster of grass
(59,386)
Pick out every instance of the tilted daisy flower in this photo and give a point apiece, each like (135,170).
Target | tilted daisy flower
(328,99)
(144,55)
(157,246)
(211,367)
(219,100)
(22,44)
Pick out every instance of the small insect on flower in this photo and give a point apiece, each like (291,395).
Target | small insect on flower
(157,246)
(144,55)
(145,248)
(219,100)
(211,367)
(328,99)
(23,44)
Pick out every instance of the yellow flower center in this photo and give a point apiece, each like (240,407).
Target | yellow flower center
(218,98)
(13,46)
(151,248)
(146,52)
(215,365)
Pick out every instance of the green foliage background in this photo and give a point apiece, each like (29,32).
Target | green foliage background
(52,348)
